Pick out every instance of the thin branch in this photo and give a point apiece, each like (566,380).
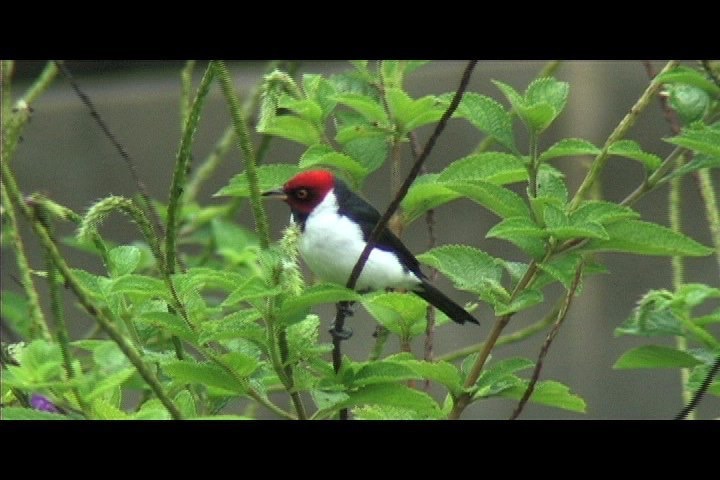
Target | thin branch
(619,133)
(123,153)
(548,341)
(701,391)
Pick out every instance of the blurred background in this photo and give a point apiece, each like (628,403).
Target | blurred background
(65,156)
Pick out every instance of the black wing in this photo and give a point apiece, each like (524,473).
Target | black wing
(367,217)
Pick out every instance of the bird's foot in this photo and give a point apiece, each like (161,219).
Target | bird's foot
(341,334)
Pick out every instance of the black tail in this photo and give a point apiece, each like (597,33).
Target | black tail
(438,299)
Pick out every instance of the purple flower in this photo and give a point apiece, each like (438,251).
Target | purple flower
(39,402)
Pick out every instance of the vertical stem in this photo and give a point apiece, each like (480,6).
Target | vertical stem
(678,271)
(707,191)
(245,145)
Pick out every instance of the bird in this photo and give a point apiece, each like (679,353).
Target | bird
(335,224)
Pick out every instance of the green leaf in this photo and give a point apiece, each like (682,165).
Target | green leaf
(635,236)
(328,399)
(526,299)
(110,382)
(250,289)
(19,413)
(153,409)
(15,309)
(512,227)
(369,152)
(537,117)
(550,91)
(322,91)
(551,186)
(185,371)
(655,356)
(469,268)
(240,324)
(317,294)
(569,147)
(269,176)
(500,376)
(385,412)
(368,107)
(501,201)
(563,268)
(293,128)
(170,322)
(232,240)
(186,404)
(631,149)
(601,212)
(424,194)
(699,137)
(652,317)
(123,259)
(103,410)
(400,313)
(689,76)
(515,99)
(443,373)
(142,285)
(243,365)
(493,167)
(382,371)
(488,116)
(690,103)
(393,394)
(411,114)
(551,394)
(322,155)
(305,108)
(583,230)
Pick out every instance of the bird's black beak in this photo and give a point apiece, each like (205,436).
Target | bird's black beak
(279,194)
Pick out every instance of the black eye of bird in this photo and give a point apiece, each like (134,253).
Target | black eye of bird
(302,194)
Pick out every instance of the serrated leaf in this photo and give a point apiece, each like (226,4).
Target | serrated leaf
(515,99)
(243,365)
(551,185)
(321,91)
(317,294)
(563,268)
(153,409)
(382,372)
(109,382)
(306,108)
(269,176)
(369,152)
(411,114)
(424,194)
(500,376)
(123,259)
(569,147)
(252,288)
(501,201)
(19,413)
(493,167)
(652,318)
(337,160)
(385,412)
(601,212)
(526,299)
(186,404)
(550,91)
(699,137)
(232,240)
(398,312)
(368,107)
(635,236)
(293,128)
(394,395)
(185,371)
(443,373)
(551,394)
(469,268)
(631,149)
(488,116)
(691,103)
(240,324)
(105,411)
(583,230)
(147,287)
(170,322)
(516,227)
(689,76)
(655,356)
(537,117)
(326,400)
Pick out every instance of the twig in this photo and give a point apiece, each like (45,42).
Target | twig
(123,153)
(701,391)
(622,128)
(548,341)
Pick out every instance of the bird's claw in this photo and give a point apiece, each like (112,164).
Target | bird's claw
(343,334)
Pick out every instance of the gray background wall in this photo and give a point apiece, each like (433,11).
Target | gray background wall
(65,156)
